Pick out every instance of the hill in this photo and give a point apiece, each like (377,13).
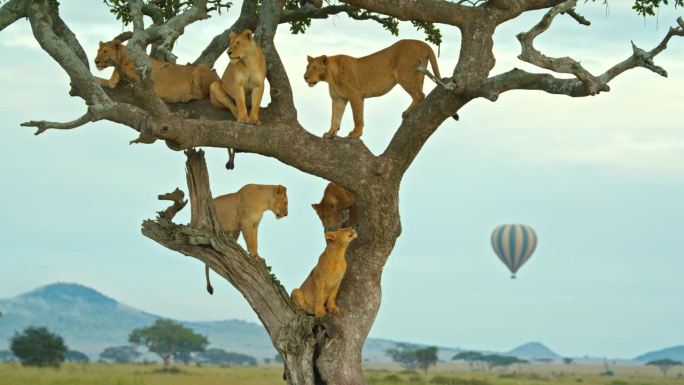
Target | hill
(674,353)
(532,350)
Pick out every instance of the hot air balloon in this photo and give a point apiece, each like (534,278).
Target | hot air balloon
(514,244)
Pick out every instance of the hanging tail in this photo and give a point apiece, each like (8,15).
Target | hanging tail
(433,62)
(206,275)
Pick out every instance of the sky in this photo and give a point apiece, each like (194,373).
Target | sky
(600,179)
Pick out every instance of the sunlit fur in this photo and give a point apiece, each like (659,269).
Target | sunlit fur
(318,293)
(351,80)
(173,83)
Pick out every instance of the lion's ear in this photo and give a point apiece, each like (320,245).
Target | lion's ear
(116,44)
(101,43)
(330,236)
(325,60)
(280,189)
(308,58)
(231,36)
(248,34)
(316,206)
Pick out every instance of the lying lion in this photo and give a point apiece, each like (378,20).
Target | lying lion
(173,83)
(337,208)
(319,291)
(244,76)
(355,79)
(241,212)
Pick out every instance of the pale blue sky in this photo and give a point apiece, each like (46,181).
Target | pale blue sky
(599,178)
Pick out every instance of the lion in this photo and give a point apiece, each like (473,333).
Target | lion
(244,75)
(173,83)
(318,292)
(355,79)
(337,208)
(241,212)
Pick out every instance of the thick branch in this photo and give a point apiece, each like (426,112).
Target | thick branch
(11,11)
(562,65)
(40,16)
(434,11)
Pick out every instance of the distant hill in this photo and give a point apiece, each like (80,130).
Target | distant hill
(90,322)
(532,350)
(674,353)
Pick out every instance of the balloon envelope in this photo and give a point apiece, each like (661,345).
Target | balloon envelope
(514,244)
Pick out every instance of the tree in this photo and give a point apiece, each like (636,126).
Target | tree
(308,351)
(167,339)
(120,354)
(221,357)
(664,364)
(568,360)
(75,356)
(411,357)
(497,360)
(472,358)
(38,347)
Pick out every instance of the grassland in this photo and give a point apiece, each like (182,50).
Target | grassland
(104,374)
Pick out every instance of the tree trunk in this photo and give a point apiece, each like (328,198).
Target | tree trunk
(167,361)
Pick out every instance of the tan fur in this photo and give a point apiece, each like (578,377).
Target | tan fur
(351,80)
(241,212)
(173,83)
(318,293)
(331,210)
(244,75)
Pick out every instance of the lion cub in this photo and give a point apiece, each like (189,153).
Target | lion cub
(336,202)
(174,83)
(241,212)
(244,75)
(319,290)
(355,79)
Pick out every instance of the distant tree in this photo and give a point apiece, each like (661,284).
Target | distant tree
(278,359)
(412,357)
(38,347)
(568,360)
(167,339)
(474,359)
(120,354)
(544,360)
(76,357)
(222,357)
(664,365)
(267,360)
(497,360)
(426,357)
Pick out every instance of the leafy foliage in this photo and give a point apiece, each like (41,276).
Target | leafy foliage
(167,338)
(76,357)
(664,364)
(165,9)
(120,354)
(411,357)
(38,347)
(221,357)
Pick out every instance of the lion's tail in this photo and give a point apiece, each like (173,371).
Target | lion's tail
(433,62)
(206,275)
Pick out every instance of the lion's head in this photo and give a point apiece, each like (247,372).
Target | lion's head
(316,70)
(331,215)
(279,202)
(109,54)
(343,236)
(240,45)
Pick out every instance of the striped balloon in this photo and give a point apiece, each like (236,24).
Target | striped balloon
(514,244)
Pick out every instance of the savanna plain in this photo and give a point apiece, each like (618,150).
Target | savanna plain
(443,374)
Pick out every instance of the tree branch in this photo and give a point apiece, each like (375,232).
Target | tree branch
(561,65)
(43,125)
(12,11)
(435,11)
(178,198)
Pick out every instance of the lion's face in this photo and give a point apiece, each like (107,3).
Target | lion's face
(240,44)
(330,214)
(316,70)
(279,205)
(345,235)
(108,54)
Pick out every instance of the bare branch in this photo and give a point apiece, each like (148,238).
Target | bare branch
(562,65)
(40,17)
(178,198)
(579,18)
(43,125)
(12,11)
